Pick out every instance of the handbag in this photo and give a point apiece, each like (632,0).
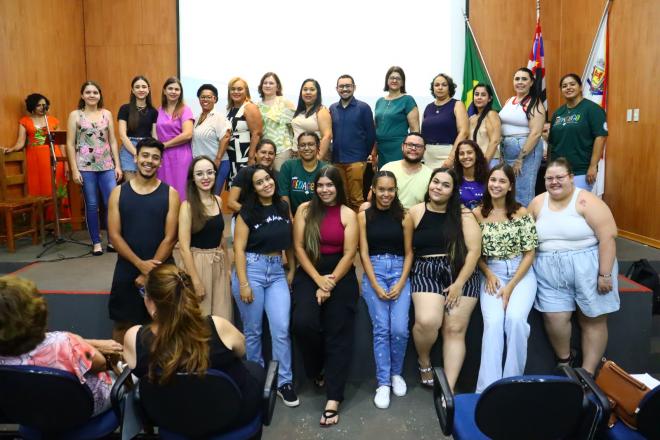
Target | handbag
(623,391)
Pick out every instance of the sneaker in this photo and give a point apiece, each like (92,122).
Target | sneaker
(382,397)
(399,387)
(288,395)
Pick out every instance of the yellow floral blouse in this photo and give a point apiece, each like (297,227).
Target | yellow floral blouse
(509,238)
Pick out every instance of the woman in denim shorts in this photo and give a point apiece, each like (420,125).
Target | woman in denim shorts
(263,230)
(386,253)
(443,280)
(576,264)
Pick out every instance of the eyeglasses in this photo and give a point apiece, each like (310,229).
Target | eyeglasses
(206,98)
(308,146)
(345,87)
(411,146)
(395,78)
(201,174)
(551,179)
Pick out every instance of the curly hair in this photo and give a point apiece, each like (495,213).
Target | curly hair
(23,314)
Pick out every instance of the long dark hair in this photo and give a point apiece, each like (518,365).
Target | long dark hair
(457,250)
(252,210)
(487,108)
(133,112)
(480,164)
(533,98)
(301,104)
(510,199)
(316,211)
(182,339)
(198,216)
(395,209)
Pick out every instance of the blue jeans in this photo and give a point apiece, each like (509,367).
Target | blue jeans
(93,181)
(221,176)
(126,158)
(580,181)
(271,293)
(526,180)
(389,318)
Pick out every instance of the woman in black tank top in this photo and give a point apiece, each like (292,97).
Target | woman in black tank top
(201,250)
(181,339)
(386,252)
(443,280)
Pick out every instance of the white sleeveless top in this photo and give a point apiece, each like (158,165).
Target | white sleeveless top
(564,230)
(514,120)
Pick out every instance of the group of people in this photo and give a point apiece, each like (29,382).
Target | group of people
(457,195)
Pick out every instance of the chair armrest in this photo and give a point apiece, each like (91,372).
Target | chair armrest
(596,395)
(270,392)
(443,399)
(119,390)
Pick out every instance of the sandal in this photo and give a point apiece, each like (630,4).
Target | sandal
(329,414)
(422,371)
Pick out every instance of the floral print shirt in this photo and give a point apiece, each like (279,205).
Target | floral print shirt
(509,238)
(93,151)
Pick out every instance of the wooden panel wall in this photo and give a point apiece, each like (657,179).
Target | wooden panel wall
(42,50)
(504,31)
(125,38)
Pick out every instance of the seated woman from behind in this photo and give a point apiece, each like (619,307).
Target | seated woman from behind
(24,341)
(180,339)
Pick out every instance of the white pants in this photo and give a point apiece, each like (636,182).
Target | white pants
(436,154)
(502,325)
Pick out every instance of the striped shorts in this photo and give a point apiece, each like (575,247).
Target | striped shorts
(433,274)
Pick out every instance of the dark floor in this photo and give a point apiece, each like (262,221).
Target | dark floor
(410,417)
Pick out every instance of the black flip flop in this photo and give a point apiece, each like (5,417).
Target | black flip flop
(328,414)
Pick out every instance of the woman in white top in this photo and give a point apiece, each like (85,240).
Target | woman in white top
(485,124)
(211,134)
(311,115)
(575,265)
(523,117)
(277,113)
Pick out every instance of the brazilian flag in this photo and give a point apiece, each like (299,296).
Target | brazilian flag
(474,71)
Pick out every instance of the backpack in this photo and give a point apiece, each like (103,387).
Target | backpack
(643,273)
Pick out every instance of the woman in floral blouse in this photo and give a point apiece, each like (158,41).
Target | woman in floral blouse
(508,286)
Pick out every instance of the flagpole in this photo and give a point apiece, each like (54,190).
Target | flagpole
(483,61)
(538,9)
(595,43)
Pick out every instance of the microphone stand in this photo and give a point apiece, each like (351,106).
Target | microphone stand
(58,238)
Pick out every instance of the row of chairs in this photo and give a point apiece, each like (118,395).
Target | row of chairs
(50,403)
(570,406)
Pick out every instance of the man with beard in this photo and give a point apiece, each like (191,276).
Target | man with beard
(412,176)
(142,224)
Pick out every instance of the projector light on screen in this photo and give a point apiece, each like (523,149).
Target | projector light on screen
(299,39)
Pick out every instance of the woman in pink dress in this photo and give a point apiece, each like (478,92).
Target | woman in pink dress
(174,128)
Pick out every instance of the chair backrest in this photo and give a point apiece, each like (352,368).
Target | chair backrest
(44,398)
(648,417)
(531,407)
(13,171)
(192,405)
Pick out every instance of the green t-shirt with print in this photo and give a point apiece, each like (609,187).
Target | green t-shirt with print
(296,183)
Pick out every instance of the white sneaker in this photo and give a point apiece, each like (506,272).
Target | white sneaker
(399,387)
(382,398)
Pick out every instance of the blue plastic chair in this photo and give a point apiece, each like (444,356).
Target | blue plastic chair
(521,407)
(51,403)
(190,406)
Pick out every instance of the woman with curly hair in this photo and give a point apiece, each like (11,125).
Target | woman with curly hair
(25,341)
(472,170)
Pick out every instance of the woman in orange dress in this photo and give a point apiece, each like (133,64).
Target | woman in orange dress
(32,132)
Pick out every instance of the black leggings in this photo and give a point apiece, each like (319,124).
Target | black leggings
(325,332)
